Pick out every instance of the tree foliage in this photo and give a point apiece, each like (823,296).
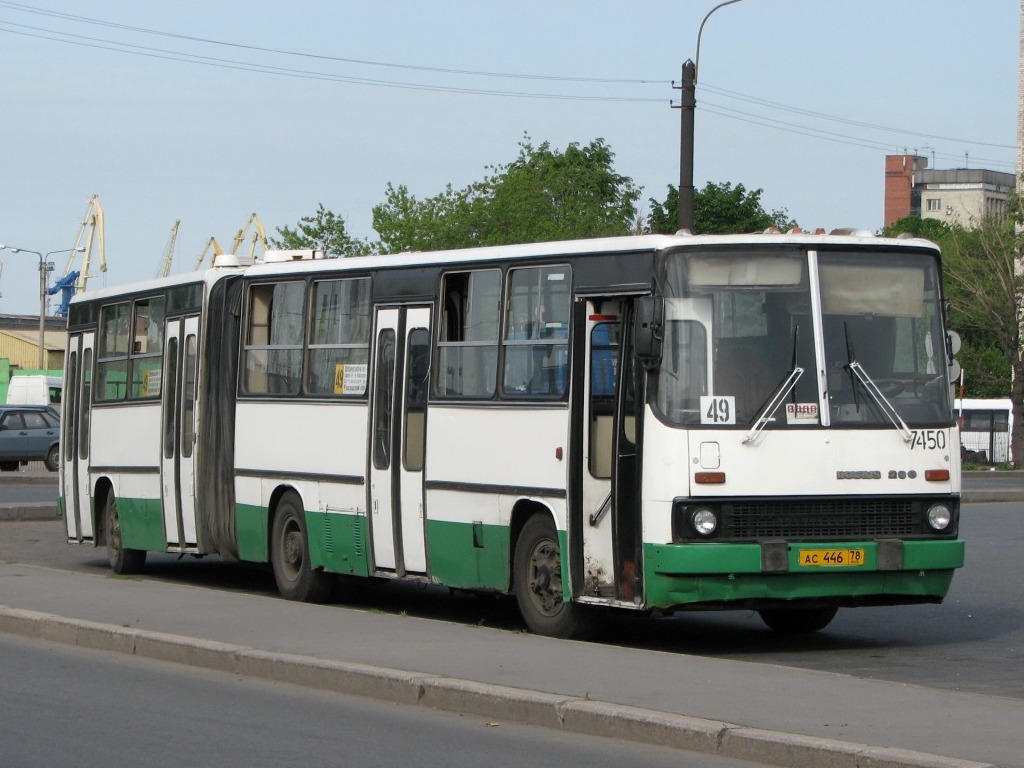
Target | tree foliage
(324,231)
(544,194)
(718,209)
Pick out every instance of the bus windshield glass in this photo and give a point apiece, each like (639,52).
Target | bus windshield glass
(740,340)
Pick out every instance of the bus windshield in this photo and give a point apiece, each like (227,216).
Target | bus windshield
(752,339)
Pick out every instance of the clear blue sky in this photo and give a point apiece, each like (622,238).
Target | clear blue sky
(202,111)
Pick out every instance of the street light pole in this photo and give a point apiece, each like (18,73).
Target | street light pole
(42,293)
(688,104)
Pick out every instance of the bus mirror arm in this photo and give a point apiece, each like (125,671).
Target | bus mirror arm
(649,330)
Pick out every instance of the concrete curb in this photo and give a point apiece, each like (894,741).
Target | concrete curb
(567,713)
(28,510)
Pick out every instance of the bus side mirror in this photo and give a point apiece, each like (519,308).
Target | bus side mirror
(649,330)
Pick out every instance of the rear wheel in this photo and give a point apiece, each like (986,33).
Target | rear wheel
(537,574)
(798,621)
(289,555)
(123,562)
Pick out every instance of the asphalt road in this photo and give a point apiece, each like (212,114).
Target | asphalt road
(972,642)
(65,706)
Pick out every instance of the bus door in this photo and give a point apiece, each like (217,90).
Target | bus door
(608,483)
(178,433)
(74,446)
(398,439)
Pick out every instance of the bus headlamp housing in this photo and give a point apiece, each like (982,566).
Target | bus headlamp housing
(704,521)
(698,521)
(939,517)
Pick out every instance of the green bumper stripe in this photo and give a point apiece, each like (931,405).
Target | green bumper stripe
(684,574)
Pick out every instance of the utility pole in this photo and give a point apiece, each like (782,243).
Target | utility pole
(687,106)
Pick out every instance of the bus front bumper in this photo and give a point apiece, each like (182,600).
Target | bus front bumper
(724,575)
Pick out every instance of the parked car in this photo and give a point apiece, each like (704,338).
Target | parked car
(29,433)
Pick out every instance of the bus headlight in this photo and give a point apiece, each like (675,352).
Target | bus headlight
(704,521)
(939,516)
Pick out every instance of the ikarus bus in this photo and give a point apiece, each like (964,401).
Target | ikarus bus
(653,423)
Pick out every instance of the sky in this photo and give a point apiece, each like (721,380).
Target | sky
(206,111)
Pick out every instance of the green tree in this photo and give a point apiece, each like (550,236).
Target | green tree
(980,285)
(718,209)
(544,194)
(325,232)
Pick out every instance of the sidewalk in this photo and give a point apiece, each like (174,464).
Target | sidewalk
(760,712)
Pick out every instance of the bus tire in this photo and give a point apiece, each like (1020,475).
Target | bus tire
(123,561)
(537,581)
(289,555)
(798,621)
(52,459)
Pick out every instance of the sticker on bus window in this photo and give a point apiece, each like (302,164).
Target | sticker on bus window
(151,383)
(801,414)
(350,379)
(719,410)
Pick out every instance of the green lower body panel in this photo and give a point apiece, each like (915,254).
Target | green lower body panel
(338,542)
(142,524)
(677,575)
(469,555)
(252,532)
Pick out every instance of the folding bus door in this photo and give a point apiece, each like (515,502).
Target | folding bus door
(398,432)
(178,433)
(75,437)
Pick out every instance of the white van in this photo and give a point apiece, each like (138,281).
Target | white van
(35,390)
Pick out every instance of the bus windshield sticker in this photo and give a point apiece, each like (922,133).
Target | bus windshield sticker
(801,414)
(718,409)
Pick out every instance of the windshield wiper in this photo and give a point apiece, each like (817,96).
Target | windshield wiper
(859,375)
(776,399)
(857,370)
(779,395)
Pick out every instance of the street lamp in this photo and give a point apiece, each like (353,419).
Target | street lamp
(42,291)
(687,104)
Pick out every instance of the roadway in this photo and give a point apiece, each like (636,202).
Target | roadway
(901,671)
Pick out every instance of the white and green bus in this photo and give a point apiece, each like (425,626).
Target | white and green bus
(650,423)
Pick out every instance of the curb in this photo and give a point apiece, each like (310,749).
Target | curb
(566,713)
(28,510)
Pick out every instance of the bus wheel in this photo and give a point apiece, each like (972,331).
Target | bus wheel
(537,576)
(797,621)
(123,561)
(52,460)
(289,554)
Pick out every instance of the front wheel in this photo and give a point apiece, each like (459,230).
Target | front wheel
(123,561)
(798,621)
(537,576)
(289,555)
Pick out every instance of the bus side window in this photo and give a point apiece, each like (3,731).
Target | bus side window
(273,340)
(537,333)
(467,343)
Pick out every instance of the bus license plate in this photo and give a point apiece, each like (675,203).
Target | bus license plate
(831,558)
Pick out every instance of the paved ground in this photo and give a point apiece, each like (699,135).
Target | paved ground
(761,712)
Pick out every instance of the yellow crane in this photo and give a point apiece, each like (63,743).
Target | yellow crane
(165,264)
(258,236)
(89,233)
(217,251)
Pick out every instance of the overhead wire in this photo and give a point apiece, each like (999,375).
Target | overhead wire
(710,107)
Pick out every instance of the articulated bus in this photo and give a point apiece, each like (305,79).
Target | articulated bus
(648,424)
